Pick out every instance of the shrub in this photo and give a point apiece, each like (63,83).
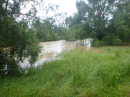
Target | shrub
(111,40)
(96,43)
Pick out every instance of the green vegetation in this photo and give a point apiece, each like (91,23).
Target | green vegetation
(17,40)
(47,30)
(77,73)
(107,21)
(19,35)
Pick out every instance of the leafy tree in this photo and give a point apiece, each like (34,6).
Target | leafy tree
(48,30)
(17,40)
(120,24)
(101,19)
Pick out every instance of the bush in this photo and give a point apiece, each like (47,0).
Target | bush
(111,40)
(96,43)
(116,41)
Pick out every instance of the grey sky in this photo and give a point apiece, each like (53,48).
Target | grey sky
(64,6)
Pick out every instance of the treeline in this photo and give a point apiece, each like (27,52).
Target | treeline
(47,30)
(106,21)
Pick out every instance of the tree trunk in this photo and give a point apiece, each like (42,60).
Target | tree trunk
(6,6)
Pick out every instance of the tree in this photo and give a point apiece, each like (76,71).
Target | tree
(101,19)
(120,24)
(17,40)
(49,30)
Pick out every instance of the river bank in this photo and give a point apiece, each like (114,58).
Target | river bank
(52,48)
(77,73)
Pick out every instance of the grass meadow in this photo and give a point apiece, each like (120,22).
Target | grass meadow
(76,74)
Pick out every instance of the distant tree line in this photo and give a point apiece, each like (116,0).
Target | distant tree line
(47,30)
(106,21)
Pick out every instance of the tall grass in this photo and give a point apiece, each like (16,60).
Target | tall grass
(77,73)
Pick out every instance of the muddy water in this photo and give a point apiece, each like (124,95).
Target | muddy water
(51,49)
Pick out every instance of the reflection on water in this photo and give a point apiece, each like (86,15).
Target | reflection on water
(51,49)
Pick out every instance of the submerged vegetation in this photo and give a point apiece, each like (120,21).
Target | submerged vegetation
(77,73)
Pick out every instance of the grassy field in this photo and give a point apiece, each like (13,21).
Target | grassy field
(77,74)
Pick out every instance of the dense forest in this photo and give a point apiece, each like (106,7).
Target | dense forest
(106,21)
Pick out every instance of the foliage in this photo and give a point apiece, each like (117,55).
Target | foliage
(17,40)
(47,30)
(111,40)
(77,73)
(96,43)
(93,20)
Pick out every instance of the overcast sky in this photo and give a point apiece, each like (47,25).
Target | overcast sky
(68,6)
(64,6)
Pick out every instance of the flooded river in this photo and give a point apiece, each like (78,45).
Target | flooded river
(53,48)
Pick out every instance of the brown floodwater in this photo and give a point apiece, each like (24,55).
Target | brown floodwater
(53,48)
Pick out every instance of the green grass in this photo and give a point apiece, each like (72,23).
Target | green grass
(114,49)
(77,74)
